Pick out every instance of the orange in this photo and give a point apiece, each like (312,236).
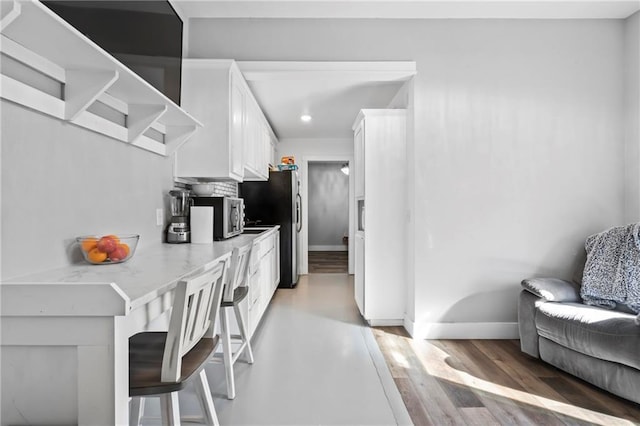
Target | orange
(89,243)
(96,256)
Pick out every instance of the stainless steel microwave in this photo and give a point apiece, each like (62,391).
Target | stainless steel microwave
(228,215)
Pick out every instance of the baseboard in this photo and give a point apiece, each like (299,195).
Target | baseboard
(329,248)
(385,322)
(462,330)
(409,325)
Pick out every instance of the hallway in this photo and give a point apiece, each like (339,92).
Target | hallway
(328,262)
(315,363)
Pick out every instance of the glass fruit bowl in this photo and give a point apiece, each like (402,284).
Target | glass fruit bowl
(107,249)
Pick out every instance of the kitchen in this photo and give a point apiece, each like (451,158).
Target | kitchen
(457,206)
(105,186)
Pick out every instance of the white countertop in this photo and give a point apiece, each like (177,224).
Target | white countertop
(151,272)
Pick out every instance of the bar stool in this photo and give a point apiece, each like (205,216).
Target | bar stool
(235,291)
(161,363)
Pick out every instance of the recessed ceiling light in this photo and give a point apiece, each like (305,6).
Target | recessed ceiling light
(305,118)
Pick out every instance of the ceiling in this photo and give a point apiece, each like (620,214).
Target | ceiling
(334,93)
(399,9)
(333,105)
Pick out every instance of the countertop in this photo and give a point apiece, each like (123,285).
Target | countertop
(152,271)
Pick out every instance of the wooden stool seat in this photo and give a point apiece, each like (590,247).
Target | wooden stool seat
(146,351)
(161,363)
(235,291)
(238,296)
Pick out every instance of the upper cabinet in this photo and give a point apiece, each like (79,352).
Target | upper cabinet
(256,164)
(232,143)
(238,121)
(273,161)
(358,148)
(50,67)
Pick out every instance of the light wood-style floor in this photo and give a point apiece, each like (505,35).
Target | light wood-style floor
(328,262)
(490,382)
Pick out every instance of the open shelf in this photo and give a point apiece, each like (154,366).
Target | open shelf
(36,38)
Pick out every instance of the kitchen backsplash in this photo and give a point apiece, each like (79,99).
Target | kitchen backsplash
(226,189)
(229,189)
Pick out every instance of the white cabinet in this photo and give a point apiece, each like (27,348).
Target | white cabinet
(359,165)
(272,152)
(359,272)
(249,145)
(380,150)
(263,280)
(231,144)
(238,122)
(275,260)
(264,276)
(256,145)
(213,91)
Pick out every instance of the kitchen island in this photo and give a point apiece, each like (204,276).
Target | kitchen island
(65,332)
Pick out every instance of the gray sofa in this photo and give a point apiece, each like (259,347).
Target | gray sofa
(600,346)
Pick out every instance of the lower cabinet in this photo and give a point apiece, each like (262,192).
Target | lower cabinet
(264,276)
(275,259)
(359,273)
(263,280)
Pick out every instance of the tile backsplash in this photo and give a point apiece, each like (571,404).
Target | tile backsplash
(226,189)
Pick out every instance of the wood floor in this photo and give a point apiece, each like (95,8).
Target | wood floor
(328,262)
(490,382)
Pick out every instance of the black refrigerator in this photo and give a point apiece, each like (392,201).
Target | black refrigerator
(277,202)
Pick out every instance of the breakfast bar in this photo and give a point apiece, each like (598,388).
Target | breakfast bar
(65,332)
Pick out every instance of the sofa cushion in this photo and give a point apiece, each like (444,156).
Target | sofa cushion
(601,333)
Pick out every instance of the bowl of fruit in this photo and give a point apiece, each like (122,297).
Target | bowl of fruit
(107,249)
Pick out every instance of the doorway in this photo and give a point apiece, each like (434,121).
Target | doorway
(332,94)
(328,216)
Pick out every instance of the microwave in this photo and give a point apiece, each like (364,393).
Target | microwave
(228,215)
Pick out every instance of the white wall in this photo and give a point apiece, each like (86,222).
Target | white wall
(305,150)
(632,107)
(518,151)
(405,98)
(60,181)
(328,211)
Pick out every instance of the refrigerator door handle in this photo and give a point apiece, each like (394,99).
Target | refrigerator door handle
(298,212)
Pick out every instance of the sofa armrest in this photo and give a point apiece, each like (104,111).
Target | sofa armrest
(553,289)
(527,305)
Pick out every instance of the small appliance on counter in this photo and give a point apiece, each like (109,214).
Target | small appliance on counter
(178,230)
(228,215)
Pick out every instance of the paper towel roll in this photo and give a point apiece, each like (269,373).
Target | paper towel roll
(202,224)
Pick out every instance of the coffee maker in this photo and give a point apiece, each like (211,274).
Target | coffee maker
(178,230)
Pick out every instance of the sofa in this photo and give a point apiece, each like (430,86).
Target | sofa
(600,346)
